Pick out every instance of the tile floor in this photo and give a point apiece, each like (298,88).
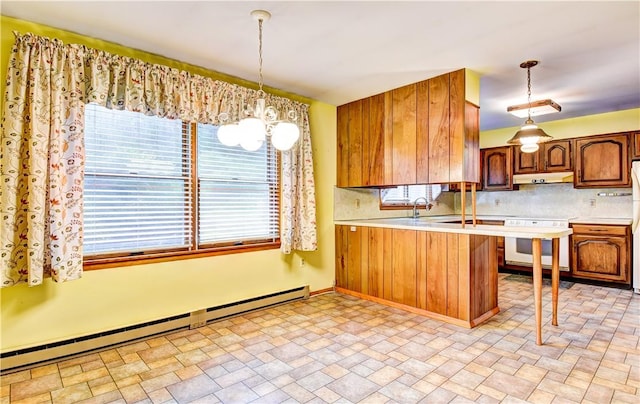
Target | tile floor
(336,348)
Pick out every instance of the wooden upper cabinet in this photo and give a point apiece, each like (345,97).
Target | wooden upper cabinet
(602,161)
(497,168)
(551,157)
(635,141)
(363,136)
(557,156)
(420,133)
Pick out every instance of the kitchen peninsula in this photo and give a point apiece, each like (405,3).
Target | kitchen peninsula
(445,271)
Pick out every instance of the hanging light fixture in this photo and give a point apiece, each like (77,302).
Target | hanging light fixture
(530,135)
(259,121)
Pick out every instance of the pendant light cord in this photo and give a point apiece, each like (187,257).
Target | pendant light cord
(529,91)
(260,55)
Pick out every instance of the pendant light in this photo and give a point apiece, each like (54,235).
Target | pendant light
(260,121)
(530,135)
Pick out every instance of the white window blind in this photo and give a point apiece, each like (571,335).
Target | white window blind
(406,194)
(238,191)
(137,183)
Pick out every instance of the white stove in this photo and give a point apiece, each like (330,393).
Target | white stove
(517,251)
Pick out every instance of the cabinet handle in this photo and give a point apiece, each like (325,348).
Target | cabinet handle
(597,230)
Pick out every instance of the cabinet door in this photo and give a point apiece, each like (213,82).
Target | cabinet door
(497,167)
(556,156)
(635,139)
(525,163)
(376,140)
(602,161)
(404,135)
(439,129)
(350,146)
(352,258)
(600,258)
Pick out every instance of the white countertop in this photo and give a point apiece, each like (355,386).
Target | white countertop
(601,220)
(434,224)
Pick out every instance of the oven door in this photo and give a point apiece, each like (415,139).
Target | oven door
(517,251)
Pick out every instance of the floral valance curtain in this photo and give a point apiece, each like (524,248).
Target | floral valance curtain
(42,147)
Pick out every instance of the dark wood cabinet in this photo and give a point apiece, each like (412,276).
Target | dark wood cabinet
(635,141)
(554,156)
(601,253)
(602,161)
(497,168)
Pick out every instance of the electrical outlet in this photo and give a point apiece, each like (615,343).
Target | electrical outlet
(302,262)
(497,202)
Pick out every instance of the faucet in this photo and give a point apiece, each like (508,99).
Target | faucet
(428,206)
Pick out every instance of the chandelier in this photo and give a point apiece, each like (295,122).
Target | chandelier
(529,136)
(259,121)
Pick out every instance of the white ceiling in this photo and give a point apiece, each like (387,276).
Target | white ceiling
(339,51)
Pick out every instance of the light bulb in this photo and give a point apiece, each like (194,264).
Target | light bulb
(229,135)
(529,148)
(529,140)
(252,129)
(251,144)
(285,135)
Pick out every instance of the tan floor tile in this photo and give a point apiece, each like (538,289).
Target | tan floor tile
(133,393)
(532,373)
(72,393)
(158,382)
(127,370)
(44,370)
(34,387)
(385,375)
(70,371)
(85,377)
(128,381)
(39,398)
(491,392)
(188,372)
(111,355)
(103,388)
(458,389)
(541,397)
(5,390)
(161,396)
(16,377)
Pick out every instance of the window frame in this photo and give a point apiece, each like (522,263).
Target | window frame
(194,250)
(405,206)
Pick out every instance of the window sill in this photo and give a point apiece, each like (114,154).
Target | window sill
(91,264)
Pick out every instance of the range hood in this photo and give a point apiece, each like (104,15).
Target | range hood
(543,178)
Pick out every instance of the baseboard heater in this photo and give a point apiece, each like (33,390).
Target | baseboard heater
(28,357)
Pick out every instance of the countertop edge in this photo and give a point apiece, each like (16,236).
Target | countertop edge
(481,229)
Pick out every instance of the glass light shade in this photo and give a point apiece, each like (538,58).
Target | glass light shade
(529,148)
(529,133)
(229,135)
(251,144)
(285,135)
(252,129)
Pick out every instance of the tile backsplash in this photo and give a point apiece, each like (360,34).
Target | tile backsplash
(547,200)
(364,203)
(552,201)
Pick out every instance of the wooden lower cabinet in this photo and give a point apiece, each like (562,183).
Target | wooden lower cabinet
(601,253)
(450,277)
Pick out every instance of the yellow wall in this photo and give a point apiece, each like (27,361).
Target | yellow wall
(610,122)
(112,298)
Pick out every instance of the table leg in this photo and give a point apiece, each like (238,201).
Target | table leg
(555,277)
(536,245)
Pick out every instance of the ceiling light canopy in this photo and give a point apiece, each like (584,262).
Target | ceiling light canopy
(530,135)
(260,120)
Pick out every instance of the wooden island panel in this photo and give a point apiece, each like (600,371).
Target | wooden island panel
(447,276)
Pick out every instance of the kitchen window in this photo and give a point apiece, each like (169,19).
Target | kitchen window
(402,197)
(157,187)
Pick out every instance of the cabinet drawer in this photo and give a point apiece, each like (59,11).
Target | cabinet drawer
(599,229)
